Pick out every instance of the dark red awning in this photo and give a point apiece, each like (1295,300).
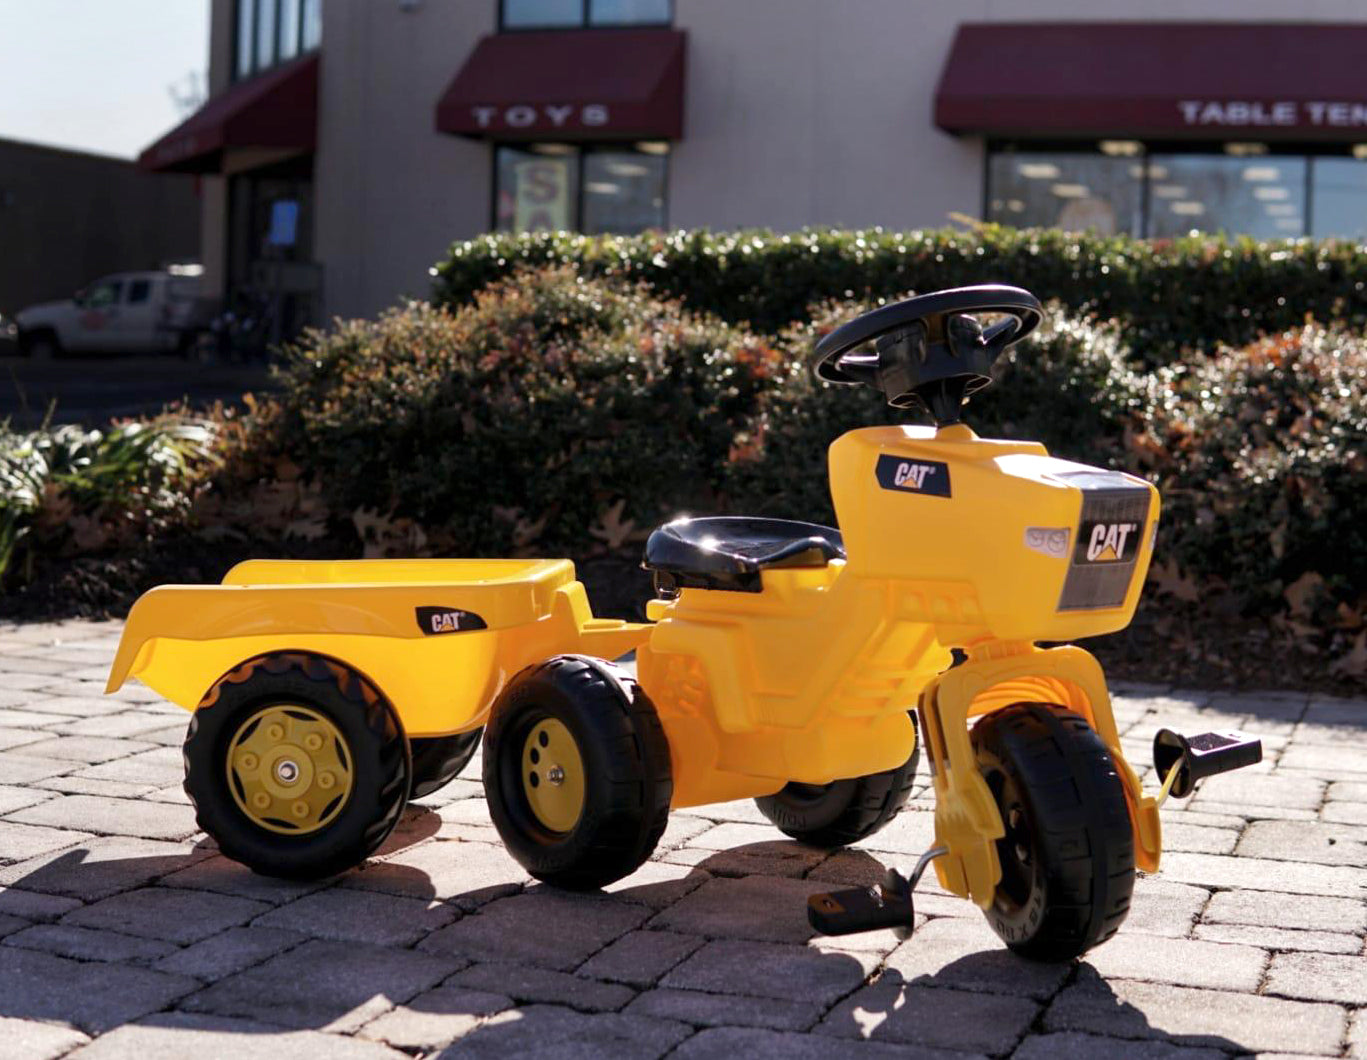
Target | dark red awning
(570,85)
(276,109)
(1227,81)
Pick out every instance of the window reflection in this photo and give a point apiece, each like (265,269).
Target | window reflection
(1069,191)
(1261,196)
(290,10)
(266,27)
(628,12)
(1338,190)
(624,191)
(527,14)
(246,36)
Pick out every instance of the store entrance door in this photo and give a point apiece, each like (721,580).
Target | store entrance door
(274,285)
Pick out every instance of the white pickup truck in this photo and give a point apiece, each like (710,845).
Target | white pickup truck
(129,312)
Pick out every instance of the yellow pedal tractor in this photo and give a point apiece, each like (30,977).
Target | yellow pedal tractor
(784,661)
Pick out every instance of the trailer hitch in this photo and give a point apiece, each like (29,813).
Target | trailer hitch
(884,905)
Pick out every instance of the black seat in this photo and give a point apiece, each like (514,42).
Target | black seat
(729,551)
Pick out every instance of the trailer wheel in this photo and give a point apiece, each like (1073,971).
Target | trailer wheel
(296,766)
(577,771)
(1067,857)
(438,760)
(843,811)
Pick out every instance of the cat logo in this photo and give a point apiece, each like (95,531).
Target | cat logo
(433,620)
(1108,541)
(913,476)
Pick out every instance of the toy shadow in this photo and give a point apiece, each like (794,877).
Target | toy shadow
(40,981)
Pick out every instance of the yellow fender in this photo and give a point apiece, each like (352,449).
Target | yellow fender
(966,818)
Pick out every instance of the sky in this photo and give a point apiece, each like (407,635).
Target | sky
(95,74)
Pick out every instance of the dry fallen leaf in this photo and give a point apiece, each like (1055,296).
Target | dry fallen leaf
(611,529)
(1301,593)
(1168,579)
(1353,664)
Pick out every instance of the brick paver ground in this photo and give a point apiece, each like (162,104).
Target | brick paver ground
(124,934)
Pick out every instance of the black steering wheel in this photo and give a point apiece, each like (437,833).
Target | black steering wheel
(929,350)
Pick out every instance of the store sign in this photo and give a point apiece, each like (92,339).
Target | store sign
(1262,114)
(542,117)
(541,195)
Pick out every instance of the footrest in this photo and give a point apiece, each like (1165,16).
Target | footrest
(1201,756)
(886,905)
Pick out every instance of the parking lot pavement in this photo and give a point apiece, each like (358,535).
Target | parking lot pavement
(94,389)
(123,933)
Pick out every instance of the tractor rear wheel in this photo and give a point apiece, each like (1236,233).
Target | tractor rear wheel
(843,811)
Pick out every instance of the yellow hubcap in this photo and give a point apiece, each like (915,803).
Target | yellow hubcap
(553,775)
(289,769)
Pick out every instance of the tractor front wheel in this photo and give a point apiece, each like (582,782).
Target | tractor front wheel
(577,771)
(1067,856)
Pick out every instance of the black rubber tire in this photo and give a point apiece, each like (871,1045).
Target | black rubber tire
(843,811)
(1068,854)
(438,760)
(628,778)
(382,766)
(41,345)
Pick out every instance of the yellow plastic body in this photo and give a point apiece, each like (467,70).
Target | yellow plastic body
(810,679)
(179,639)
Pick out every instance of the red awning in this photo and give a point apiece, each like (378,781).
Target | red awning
(570,85)
(276,109)
(1225,81)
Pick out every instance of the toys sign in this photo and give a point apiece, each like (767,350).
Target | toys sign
(1262,113)
(543,117)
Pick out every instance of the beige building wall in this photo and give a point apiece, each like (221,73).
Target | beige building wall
(391,192)
(213,191)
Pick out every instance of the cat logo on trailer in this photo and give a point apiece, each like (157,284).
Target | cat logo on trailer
(433,620)
(1108,541)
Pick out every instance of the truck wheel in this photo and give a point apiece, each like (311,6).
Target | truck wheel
(296,766)
(41,346)
(843,811)
(438,760)
(577,771)
(1067,857)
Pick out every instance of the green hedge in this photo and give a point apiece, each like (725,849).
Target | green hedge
(1166,294)
(546,414)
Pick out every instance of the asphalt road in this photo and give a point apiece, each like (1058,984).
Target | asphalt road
(93,390)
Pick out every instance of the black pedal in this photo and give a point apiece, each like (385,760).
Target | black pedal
(1202,755)
(887,905)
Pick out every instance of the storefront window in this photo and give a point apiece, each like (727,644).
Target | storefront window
(313,24)
(1338,196)
(573,14)
(290,11)
(592,189)
(1244,189)
(1259,196)
(1069,191)
(275,31)
(246,36)
(624,191)
(267,27)
(537,190)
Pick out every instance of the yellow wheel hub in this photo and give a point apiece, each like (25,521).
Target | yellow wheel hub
(553,775)
(289,769)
